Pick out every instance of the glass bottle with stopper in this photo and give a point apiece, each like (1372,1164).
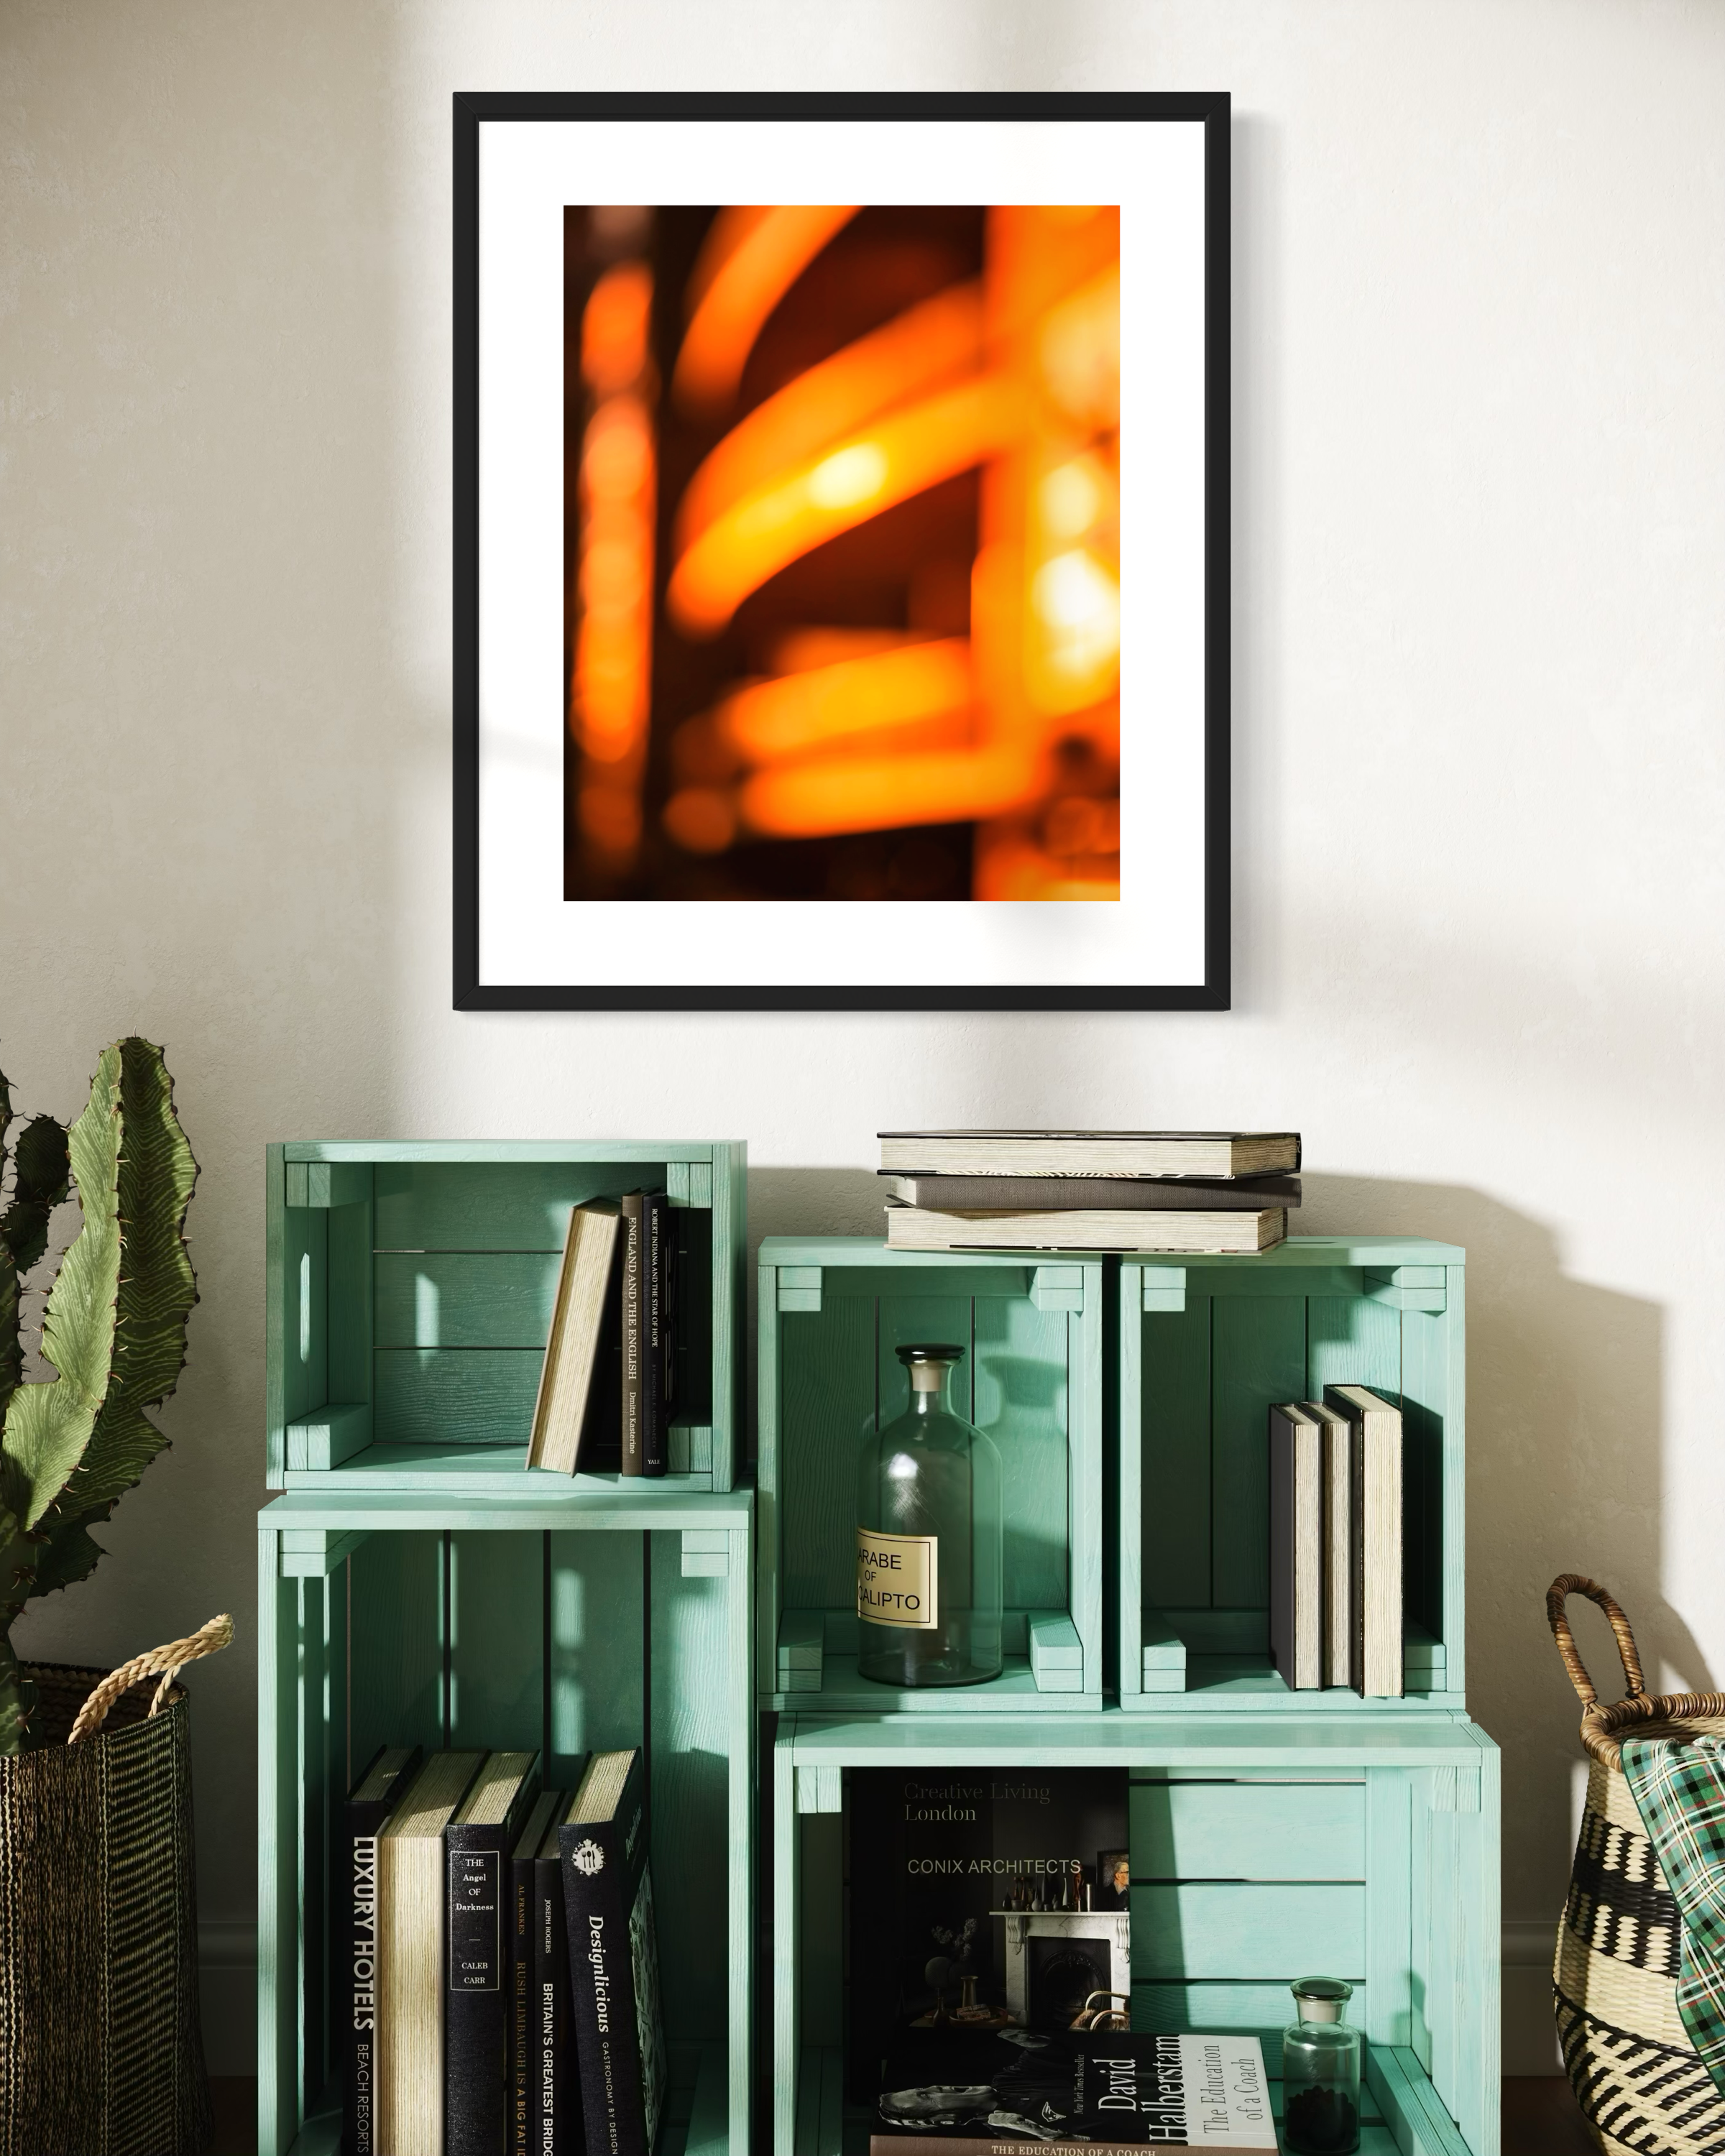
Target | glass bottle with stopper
(929,1556)
(1320,2063)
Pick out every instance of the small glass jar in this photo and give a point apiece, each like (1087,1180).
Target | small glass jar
(929,1538)
(1320,2071)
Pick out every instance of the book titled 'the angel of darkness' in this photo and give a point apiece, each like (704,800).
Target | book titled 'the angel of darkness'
(1091,2092)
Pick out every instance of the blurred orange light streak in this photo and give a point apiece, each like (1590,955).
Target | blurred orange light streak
(925,345)
(901,456)
(818,800)
(752,257)
(777,719)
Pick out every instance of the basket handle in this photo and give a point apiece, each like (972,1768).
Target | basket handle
(165,1663)
(1556,1596)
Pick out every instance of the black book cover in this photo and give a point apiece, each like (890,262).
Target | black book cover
(974,2092)
(613,1958)
(373,1798)
(476,2029)
(657,1261)
(600,1449)
(968,1891)
(524,2020)
(557,2125)
(633,1331)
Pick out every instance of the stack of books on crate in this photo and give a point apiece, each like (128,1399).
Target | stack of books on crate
(1335,1542)
(606,1388)
(1199,1193)
(500,1987)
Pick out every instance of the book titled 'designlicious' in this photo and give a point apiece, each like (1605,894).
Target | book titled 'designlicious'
(1093,2092)
(614,1956)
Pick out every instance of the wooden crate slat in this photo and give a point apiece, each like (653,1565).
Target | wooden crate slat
(424,1395)
(494,1205)
(1198,1928)
(496,1641)
(464,1298)
(1267,1830)
(1175,1496)
(597,1641)
(1259,1347)
(826,1389)
(1019,1394)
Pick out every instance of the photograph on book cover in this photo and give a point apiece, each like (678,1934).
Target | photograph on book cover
(841,586)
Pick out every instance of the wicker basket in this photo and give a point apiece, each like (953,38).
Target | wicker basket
(1640,2081)
(101,2053)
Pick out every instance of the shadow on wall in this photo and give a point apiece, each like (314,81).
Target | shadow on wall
(1564,1429)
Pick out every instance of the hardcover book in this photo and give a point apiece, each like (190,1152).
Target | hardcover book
(374,1797)
(411,1991)
(1090,1153)
(1110,1193)
(985,1899)
(1375,1427)
(1091,2092)
(1190,1235)
(477,1846)
(634,1333)
(1296,1553)
(559,2126)
(524,2047)
(658,1265)
(614,1956)
(578,1410)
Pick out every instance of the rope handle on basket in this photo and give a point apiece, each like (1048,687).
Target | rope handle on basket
(1556,1596)
(167,1662)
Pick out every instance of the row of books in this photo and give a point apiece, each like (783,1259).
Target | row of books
(1336,1542)
(500,1989)
(607,1384)
(1193,1192)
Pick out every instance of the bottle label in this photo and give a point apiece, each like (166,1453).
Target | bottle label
(898,1579)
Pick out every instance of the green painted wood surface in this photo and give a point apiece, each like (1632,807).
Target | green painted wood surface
(496,1674)
(1262,1831)
(1200,1928)
(1263,2011)
(476,1396)
(1258,1356)
(502,1206)
(473,1473)
(305,1336)
(466,1298)
(1175,1420)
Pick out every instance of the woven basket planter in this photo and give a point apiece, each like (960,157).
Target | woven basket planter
(1640,2081)
(101,2053)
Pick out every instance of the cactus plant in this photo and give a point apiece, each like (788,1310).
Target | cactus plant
(114,1331)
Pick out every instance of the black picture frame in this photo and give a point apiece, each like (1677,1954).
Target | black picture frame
(471,112)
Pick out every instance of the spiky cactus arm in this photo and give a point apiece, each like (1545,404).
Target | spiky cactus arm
(40,1159)
(114,1332)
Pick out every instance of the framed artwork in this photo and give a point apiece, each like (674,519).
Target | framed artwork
(841,552)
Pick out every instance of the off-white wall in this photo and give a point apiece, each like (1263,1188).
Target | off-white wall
(1479,667)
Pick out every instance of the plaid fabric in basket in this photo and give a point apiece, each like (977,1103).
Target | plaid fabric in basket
(1679,1788)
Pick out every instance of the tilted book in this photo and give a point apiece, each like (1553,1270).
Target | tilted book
(614,1956)
(373,1797)
(477,1846)
(1089,2092)
(1375,1425)
(996,1897)
(577,1411)
(1296,1552)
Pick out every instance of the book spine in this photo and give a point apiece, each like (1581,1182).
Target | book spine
(359,2091)
(598,1886)
(475,2089)
(556,2109)
(633,1212)
(655,1339)
(519,2140)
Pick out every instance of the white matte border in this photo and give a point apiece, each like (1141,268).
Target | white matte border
(530,936)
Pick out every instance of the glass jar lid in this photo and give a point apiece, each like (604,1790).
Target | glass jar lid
(1320,1998)
(929,1351)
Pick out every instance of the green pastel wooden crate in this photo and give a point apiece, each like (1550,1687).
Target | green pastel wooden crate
(1207,1346)
(564,1623)
(832,1309)
(409,1295)
(1263,1848)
